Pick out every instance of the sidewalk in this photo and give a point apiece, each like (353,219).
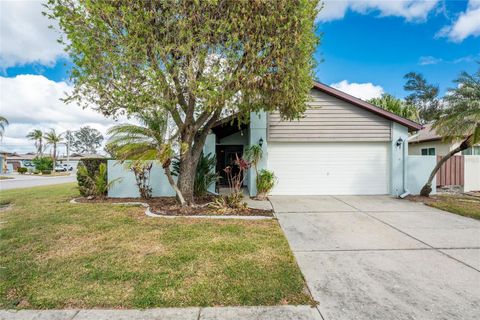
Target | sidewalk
(216,313)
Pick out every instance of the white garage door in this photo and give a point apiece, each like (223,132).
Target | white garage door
(329,168)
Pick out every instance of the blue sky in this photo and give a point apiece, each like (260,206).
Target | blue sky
(366,48)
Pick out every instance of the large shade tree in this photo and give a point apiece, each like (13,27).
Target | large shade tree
(192,59)
(423,95)
(85,140)
(459,120)
(36,135)
(397,106)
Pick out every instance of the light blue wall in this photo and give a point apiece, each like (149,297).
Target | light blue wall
(126,186)
(258,130)
(419,169)
(398,154)
(209,148)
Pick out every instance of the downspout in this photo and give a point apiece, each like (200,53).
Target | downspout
(404,159)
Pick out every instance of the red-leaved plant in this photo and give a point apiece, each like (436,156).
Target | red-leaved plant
(235,182)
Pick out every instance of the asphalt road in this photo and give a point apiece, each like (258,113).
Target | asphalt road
(34,181)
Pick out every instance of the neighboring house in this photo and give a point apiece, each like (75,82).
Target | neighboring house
(75,158)
(428,143)
(342,146)
(21,160)
(26,160)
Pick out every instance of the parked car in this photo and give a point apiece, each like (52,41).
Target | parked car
(67,167)
(60,168)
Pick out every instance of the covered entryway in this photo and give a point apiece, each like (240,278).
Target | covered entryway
(321,168)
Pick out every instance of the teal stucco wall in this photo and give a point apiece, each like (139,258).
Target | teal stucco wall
(209,148)
(125,186)
(419,169)
(399,154)
(258,130)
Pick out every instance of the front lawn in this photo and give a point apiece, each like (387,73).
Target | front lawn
(54,254)
(468,206)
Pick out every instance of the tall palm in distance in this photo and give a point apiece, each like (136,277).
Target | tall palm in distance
(3,124)
(37,136)
(459,120)
(53,139)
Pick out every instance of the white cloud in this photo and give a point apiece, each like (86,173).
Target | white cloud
(33,101)
(428,60)
(467,24)
(364,91)
(411,10)
(25,36)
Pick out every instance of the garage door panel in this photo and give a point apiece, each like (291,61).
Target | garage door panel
(329,168)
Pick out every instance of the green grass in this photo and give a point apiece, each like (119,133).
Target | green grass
(462,205)
(54,254)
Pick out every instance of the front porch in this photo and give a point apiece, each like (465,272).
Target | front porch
(230,138)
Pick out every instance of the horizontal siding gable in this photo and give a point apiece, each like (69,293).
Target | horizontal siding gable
(330,119)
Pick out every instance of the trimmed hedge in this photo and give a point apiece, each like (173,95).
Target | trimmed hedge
(22,170)
(92,165)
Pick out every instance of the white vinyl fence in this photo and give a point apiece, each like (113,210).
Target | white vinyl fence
(472,173)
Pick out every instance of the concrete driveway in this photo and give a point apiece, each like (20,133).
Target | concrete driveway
(375,257)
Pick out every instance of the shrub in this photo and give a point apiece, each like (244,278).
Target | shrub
(43,163)
(46,171)
(22,170)
(96,185)
(265,182)
(92,166)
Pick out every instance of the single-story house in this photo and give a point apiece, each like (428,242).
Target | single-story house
(20,160)
(75,158)
(428,143)
(341,146)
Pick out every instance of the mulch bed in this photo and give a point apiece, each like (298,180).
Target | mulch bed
(169,206)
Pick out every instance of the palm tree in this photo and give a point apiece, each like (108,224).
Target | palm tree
(397,106)
(459,121)
(144,142)
(53,139)
(3,124)
(37,136)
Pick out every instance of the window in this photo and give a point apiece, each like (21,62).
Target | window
(473,151)
(428,152)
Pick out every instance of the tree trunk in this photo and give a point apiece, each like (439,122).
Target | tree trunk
(166,168)
(427,188)
(186,178)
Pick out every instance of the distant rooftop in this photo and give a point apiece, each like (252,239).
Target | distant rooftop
(425,135)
